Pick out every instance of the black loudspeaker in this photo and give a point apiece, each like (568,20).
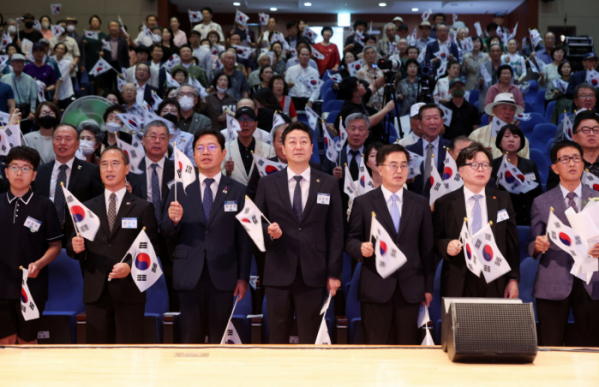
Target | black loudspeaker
(483,330)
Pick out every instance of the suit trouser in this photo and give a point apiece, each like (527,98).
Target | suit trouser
(391,322)
(205,311)
(553,318)
(113,322)
(305,301)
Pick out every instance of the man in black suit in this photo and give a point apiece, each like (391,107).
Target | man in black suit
(153,185)
(480,206)
(430,144)
(81,178)
(115,308)
(304,243)
(118,57)
(213,256)
(144,89)
(390,305)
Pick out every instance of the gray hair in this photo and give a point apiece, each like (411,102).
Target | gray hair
(195,92)
(586,86)
(367,47)
(156,123)
(389,25)
(464,28)
(95,129)
(357,116)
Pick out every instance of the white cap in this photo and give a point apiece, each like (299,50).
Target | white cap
(416,108)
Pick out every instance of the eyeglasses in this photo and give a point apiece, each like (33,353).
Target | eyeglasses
(154,138)
(25,170)
(183,94)
(211,148)
(587,130)
(586,96)
(567,159)
(394,167)
(476,166)
(114,164)
(248,120)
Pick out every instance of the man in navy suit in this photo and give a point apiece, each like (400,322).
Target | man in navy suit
(390,305)
(589,63)
(431,144)
(556,290)
(442,40)
(213,255)
(304,243)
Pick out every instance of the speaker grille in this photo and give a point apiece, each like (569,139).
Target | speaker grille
(494,328)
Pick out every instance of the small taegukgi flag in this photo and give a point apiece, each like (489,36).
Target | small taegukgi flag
(250,218)
(86,222)
(195,16)
(323,337)
(28,307)
(263,18)
(365,183)
(135,153)
(493,262)
(389,257)
(184,170)
(241,18)
(145,269)
(231,336)
(100,67)
(55,8)
(91,34)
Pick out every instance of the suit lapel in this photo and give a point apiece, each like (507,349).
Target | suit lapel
(124,209)
(312,192)
(78,169)
(168,175)
(459,206)
(559,204)
(492,208)
(284,190)
(406,213)
(193,191)
(101,212)
(144,179)
(382,212)
(221,194)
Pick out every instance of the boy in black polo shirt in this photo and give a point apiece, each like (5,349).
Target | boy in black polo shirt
(31,237)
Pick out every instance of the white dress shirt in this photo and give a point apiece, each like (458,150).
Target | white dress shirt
(150,171)
(577,198)
(139,99)
(54,178)
(304,185)
(119,198)
(387,194)
(435,150)
(213,186)
(470,207)
(299,89)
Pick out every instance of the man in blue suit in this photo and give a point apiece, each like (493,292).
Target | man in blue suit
(435,46)
(589,62)
(431,144)
(556,290)
(212,259)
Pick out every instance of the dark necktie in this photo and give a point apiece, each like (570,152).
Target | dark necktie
(207,200)
(111,211)
(353,165)
(571,202)
(59,200)
(297,198)
(156,199)
(428,165)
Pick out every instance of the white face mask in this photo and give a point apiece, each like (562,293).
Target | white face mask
(113,127)
(45,24)
(221,89)
(71,28)
(12,29)
(87,147)
(186,103)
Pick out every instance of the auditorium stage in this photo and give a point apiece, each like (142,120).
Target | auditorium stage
(245,366)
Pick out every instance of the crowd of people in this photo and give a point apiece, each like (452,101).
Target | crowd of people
(269,83)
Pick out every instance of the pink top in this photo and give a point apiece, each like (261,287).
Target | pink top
(494,90)
(180,38)
(47,34)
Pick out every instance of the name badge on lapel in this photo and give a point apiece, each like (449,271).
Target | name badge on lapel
(231,206)
(502,215)
(323,198)
(32,224)
(128,222)
(530,176)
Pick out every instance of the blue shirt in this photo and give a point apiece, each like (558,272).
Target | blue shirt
(6,93)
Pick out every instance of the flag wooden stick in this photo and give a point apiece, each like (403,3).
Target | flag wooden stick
(73,219)
(109,279)
(174,146)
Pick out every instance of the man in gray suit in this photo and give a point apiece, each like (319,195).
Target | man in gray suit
(555,289)
(491,67)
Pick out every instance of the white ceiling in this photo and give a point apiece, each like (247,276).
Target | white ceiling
(357,6)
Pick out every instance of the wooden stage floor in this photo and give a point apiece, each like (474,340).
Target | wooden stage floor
(245,366)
